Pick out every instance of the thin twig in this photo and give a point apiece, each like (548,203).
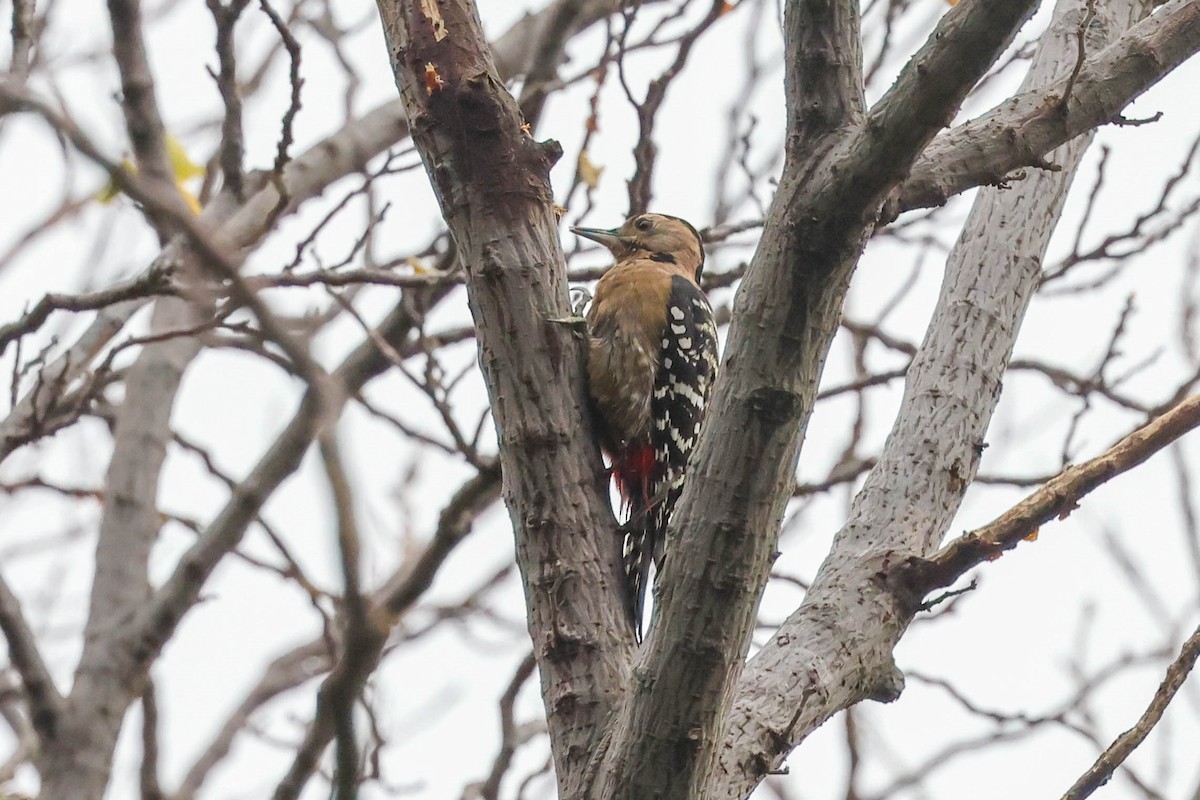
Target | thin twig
(45,702)
(1058,498)
(1101,771)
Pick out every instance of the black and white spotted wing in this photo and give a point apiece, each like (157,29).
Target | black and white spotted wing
(687,366)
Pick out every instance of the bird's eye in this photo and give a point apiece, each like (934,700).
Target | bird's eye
(643,224)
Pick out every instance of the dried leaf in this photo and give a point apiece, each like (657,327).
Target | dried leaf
(432,13)
(589,173)
(951,2)
(727,7)
(433,81)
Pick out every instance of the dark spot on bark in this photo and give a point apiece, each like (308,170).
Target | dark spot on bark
(566,703)
(46,724)
(490,263)
(444,177)
(562,648)
(774,406)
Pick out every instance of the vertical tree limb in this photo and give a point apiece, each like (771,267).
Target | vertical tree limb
(490,177)
(142,118)
(835,650)
(839,167)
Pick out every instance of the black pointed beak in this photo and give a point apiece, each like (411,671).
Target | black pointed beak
(608,238)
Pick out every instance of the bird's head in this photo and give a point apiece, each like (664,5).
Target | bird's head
(655,236)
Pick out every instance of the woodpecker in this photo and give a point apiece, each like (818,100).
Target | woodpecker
(652,357)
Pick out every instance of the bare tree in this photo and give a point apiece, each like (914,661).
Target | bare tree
(241,271)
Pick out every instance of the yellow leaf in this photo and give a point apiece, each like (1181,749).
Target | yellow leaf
(951,2)
(182,167)
(589,173)
(432,13)
(181,164)
(418,266)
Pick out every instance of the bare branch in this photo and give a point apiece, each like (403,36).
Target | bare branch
(1058,498)
(142,118)
(510,736)
(23,37)
(293,50)
(836,175)
(494,195)
(45,702)
(150,787)
(796,680)
(286,672)
(1100,772)
(1022,130)
(360,633)
(232,141)
(154,282)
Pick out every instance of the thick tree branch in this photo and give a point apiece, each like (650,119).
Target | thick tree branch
(1020,131)
(490,177)
(726,526)
(823,79)
(836,649)
(929,90)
